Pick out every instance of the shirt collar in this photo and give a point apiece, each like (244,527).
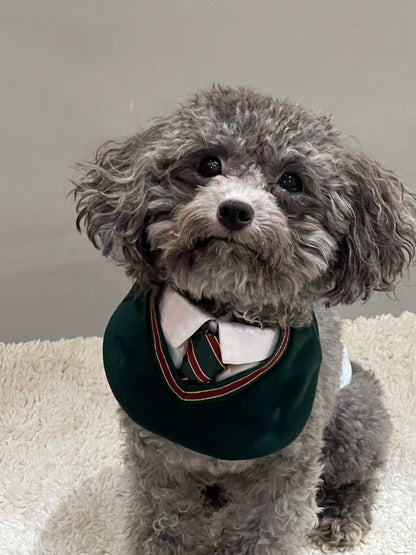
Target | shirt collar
(179,317)
(240,343)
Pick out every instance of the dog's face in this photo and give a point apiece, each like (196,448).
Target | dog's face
(251,206)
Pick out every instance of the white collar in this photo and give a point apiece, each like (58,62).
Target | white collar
(240,343)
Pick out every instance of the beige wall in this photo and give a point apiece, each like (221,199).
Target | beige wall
(74,73)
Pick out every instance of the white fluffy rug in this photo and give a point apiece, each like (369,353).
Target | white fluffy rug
(60,444)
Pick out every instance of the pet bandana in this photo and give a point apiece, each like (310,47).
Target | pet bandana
(248,415)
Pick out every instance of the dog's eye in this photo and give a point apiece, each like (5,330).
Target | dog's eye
(210,166)
(291,182)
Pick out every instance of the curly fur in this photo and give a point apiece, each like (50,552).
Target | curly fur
(349,232)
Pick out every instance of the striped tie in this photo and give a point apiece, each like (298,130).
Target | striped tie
(202,361)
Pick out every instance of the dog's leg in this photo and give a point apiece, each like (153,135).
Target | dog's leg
(271,508)
(355,448)
(164,513)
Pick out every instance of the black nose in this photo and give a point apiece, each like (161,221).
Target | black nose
(234,214)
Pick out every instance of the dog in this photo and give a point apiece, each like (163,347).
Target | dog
(251,216)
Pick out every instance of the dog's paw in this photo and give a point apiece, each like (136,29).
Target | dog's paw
(339,533)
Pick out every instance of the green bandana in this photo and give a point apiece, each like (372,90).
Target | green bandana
(249,415)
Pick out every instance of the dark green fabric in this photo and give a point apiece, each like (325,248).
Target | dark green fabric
(252,422)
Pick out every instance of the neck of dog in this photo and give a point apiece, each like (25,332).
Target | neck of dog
(278,314)
(265,317)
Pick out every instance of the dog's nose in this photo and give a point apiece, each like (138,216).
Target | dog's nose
(234,214)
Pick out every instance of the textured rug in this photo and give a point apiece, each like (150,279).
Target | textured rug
(60,443)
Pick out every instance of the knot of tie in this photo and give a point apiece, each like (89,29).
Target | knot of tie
(202,361)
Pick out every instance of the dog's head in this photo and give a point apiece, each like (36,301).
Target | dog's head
(251,206)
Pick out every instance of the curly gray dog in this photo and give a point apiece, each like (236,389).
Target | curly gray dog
(253,214)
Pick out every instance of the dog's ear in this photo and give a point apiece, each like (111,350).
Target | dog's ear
(112,195)
(381,240)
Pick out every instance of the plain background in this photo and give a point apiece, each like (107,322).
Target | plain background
(75,73)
